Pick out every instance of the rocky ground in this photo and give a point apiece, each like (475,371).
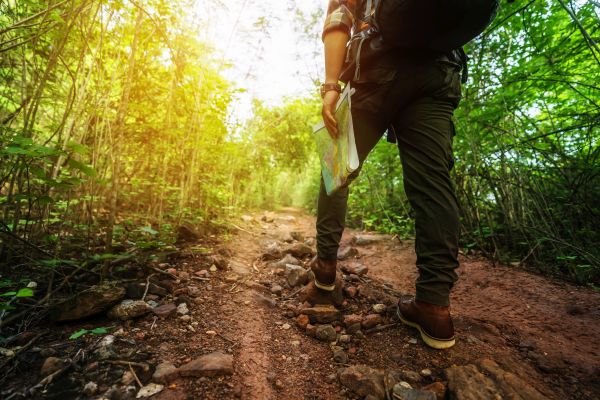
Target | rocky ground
(228,322)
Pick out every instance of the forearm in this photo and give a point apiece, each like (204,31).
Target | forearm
(335,51)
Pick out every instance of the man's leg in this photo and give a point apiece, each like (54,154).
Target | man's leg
(425,131)
(331,216)
(331,210)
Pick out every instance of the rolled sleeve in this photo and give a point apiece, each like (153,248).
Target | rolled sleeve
(339,17)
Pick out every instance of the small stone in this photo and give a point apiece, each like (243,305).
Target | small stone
(311,330)
(355,268)
(129,309)
(426,372)
(350,291)
(51,365)
(287,259)
(326,333)
(276,290)
(165,372)
(302,320)
(401,392)
(212,364)
(220,262)
(339,355)
(279,384)
(322,314)
(182,309)
(364,240)
(127,378)
(351,319)
(90,388)
(211,333)
(32,285)
(152,303)
(345,338)
(438,388)
(165,310)
(379,308)
(298,235)
(346,252)
(363,381)
(203,273)
(412,341)
(194,291)
(371,321)
(184,276)
(264,300)
(295,275)
(285,326)
(353,329)
(213,268)
(185,318)
(410,376)
(300,250)
(149,390)
(295,343)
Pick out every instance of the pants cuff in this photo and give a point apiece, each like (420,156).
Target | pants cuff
(432,296)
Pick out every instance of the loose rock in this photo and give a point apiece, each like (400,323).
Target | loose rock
(322,314)
(212,364)
(92,301)
(326,333)
(379,308)
(363,381)
(339,355)
(182,309)
(371,321)
(487,380)
(165,310)
(90,388)
(438,388)
(300,250)
(129,309)
(165,372)
(404,393)
(295,275)
(302,321)
(355,268)
(351,319)
(149,390)
(51,365)
(276,290)
(287,259)
(346,252)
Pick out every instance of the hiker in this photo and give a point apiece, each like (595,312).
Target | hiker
(404,59)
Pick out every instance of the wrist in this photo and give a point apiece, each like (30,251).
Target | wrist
(326,87)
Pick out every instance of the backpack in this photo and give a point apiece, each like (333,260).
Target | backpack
(439,27)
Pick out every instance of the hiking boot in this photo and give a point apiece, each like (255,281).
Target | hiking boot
(432,321)
(325,287)
(324,272)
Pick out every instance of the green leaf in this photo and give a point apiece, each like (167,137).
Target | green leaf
(78,334)
(149,230)
(99,331)
(7,294)
(25,292)
(86,169)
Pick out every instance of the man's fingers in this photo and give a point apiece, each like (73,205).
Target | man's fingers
(330,123)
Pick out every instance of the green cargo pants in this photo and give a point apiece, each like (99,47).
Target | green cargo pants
(418,101)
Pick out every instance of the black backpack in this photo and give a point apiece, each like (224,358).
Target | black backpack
(435,26)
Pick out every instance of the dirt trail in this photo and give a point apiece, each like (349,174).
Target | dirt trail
(544,332)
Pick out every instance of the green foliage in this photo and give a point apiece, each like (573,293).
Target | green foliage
(96,331)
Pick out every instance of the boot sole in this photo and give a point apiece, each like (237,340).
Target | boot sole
(439,344)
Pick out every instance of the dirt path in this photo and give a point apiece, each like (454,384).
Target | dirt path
(546,333)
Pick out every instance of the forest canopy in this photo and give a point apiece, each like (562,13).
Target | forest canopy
(116,130)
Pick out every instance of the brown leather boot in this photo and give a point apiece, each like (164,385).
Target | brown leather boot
(324,272)
(326,286)
(433,322)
